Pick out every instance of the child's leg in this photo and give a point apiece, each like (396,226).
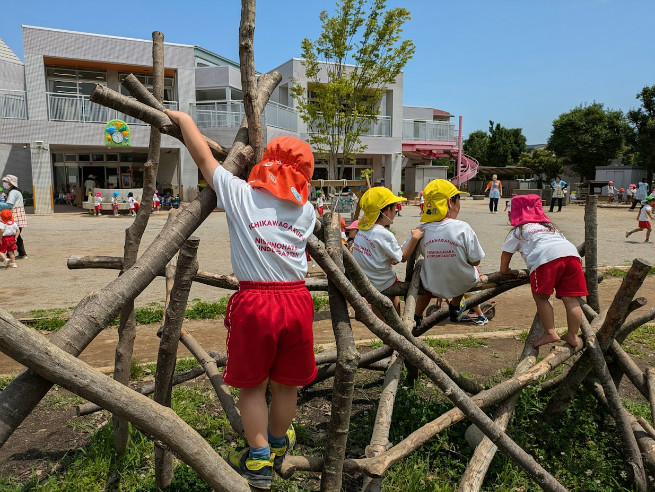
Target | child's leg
(254,414)
(647,234)
(283,408)
(545,312)
(573,319)
(396,303)
(3,257)
(477,310)
(422,302)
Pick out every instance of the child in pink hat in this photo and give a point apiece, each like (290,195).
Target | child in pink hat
(97,204)
(554,265)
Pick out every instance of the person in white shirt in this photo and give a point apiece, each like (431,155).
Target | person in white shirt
(10,231)
(132,204)
(114,203)
(155,202)
(375,248)
(554,265)
(450,248)
(269,319)
(319,203)
(644,217)
(640,193)
(97,204)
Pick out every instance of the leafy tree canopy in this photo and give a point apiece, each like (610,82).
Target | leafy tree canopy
(357,55)
(476,146)
(543,162)
(505,145)
(588,136)
(642,130)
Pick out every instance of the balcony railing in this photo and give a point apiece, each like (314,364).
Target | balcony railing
(432,131)
(78,108)
(221,114)
(13,104)
(379,127)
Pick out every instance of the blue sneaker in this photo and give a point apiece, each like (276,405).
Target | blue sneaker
(289,444)
(258,473)
(456,312)
(481,320)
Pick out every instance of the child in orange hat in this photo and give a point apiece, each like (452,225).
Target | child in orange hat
(269,319)
(10,233)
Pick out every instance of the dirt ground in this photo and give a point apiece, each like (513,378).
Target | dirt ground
(43,281)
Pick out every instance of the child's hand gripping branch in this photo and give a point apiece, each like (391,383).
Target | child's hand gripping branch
(269,320)
(554,265)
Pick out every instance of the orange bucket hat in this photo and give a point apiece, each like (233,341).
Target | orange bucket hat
(285,169)
(6,216)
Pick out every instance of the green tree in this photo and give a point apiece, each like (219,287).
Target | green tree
(642,134)
(505,145)
(543,162)
(476,146)
(358,53)
(588,136)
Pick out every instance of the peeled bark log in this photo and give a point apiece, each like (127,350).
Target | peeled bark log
(611,323)
(347,359)
(216,379)
(48,361)
(591,250)
(365,361)
(187,265)
(485,451)
(407,347)
(248,79)
(650,382)
(96,311)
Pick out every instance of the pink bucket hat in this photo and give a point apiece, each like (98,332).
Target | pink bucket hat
(354,225)
(526,209)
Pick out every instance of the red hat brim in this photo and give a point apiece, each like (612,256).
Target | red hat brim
(282,180)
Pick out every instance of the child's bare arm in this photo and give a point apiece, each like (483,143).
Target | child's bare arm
(505,258)
(196,144)
(417,234)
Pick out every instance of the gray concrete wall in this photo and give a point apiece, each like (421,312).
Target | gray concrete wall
(15,159)
(417,113)
(12,76)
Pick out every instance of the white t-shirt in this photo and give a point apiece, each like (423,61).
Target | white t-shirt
(131,201)
(155,198)
(449,247)
(538,245)
(319,201)
(374,250)
(642,213)
(9,229)
(97,200)
(15,197)
(268,235)
(642,191)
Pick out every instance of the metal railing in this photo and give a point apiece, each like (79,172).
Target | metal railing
(13,104)
(379,127)
(221,114)
(431,131)
(78,108)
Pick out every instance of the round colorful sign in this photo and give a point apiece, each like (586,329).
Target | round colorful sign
(117,133)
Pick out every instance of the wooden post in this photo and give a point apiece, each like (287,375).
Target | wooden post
(591,250)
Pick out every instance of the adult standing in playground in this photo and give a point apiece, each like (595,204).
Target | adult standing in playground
(495,189)
(89,185)
(558,186)
(15,203)
(641,193)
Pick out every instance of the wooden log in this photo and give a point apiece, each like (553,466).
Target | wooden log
(97,310)
(409,325)
(364,287)
(629,368)
(347,360)
(634,322)
(248,77)
(34,351)
(610,324)
(366,360)
(650,383)
(633,461)
(407,347)
(591,250)
(377,466)
(216,379)
(187,264)
(485,451)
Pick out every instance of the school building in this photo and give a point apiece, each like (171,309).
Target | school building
(53,138)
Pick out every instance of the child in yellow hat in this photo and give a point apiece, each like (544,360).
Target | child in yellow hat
(450,248)
(375,248)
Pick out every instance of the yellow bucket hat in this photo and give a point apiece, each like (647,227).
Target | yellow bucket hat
(374,200)
(436,195)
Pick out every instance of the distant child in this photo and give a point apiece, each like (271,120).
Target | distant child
(114,203)
(155,203)
(553,262)
(319,203)
(133,204)
(351,232)
(375,248)
(399,205)
(269,319)
(421,201)
(644,217)
(611,191)
(508,209)
(451,251)
(3,197)
(640,193)
(10,233)
(97,203)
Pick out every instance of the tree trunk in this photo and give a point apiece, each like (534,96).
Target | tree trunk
(35,352)
(187,265)
(347,359)
(591,251)
(650,380)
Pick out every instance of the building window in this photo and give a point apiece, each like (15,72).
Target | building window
(72,81)
(147,81)
(219,94)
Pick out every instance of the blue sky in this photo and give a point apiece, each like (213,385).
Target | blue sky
(520,63)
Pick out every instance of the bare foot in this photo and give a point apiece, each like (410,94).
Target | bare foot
(572,340)
(544,339)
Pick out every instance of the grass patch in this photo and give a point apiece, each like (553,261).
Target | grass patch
(320,301)
(644,335)
(442,345)
(207,310)
(376,344)
(615,272)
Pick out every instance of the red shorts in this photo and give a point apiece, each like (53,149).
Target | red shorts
(644,224)
(564,274)
(98,207)
(320,210)
(8,244)
(269,335)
